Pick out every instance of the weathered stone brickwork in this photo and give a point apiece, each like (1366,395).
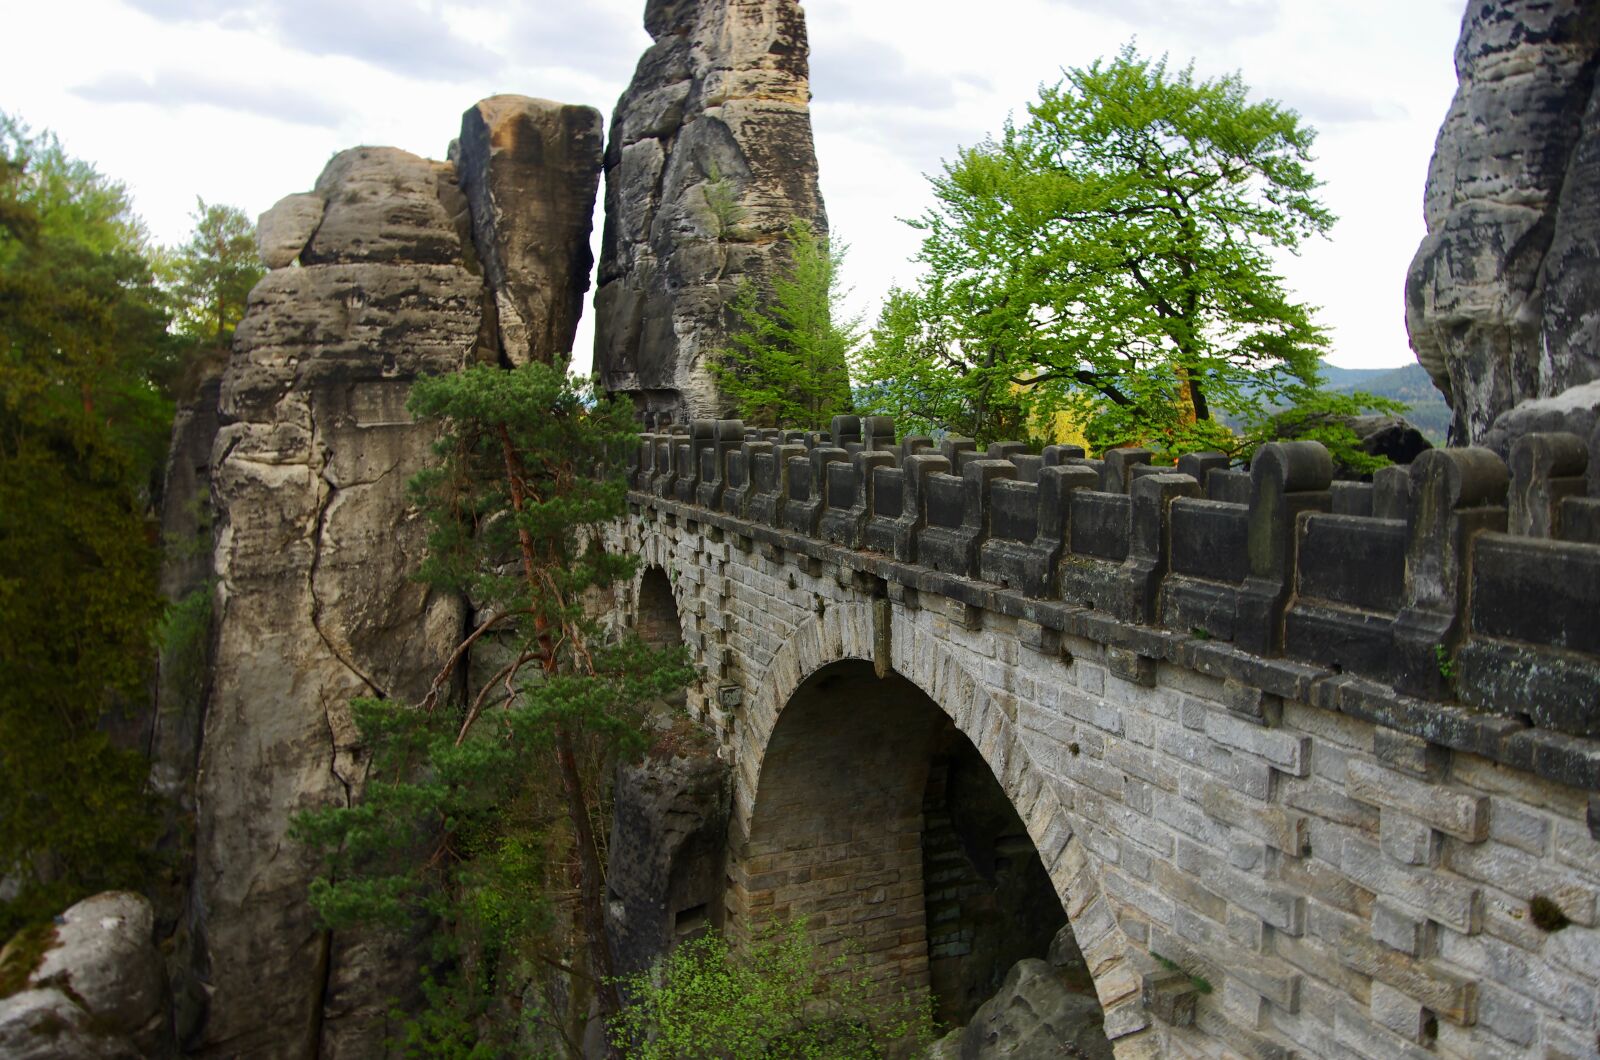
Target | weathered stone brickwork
(1336,867)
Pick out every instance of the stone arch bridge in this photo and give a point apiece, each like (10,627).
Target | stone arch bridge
(1309,765)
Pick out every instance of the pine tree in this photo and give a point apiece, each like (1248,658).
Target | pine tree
(786,362)
(485,813)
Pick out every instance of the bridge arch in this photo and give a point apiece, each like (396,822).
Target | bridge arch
(776,768)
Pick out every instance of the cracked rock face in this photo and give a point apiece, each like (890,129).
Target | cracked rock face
(1503,297)
(316,540)
(667,851)
(314,603)
(530,169)
(710,160)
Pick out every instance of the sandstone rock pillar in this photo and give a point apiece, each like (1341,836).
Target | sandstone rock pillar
(391,269)
(530,169)
(710,161)
(314,601)
(1503,297)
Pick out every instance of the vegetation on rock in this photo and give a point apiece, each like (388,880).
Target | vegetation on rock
(786,363)
(484,814)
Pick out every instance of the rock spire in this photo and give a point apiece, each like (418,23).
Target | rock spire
(393,267)
(1503,297)
(710,160)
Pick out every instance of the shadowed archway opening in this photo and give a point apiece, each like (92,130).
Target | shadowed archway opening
(656,617)
(878,821)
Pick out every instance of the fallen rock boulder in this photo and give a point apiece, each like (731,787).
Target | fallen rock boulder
(97,988)
(1035,1015)
(1575,410)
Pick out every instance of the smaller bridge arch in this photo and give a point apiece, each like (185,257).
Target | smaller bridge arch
(655,610)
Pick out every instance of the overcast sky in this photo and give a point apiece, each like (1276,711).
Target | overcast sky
(243,101)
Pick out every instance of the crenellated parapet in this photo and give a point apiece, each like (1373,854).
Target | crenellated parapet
(1455,599)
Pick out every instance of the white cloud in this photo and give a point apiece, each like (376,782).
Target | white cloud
(1204,19)
(874,72)
(182,88)
(898,85)
(410,39)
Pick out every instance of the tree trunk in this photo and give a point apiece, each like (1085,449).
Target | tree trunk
(590,880)
(591,876)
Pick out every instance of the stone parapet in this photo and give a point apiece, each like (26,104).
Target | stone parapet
(1454,599)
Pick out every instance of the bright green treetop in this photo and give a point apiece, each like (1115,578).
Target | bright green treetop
(1110,257)
(209,280)
(778,996)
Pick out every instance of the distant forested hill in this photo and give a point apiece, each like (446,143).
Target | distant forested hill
(1408,383)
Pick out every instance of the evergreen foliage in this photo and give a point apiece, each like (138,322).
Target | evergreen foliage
(777,998)
(1108,260)
(83,429)
(486,817)
(786,362)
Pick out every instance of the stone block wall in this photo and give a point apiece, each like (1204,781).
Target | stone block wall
(837,835)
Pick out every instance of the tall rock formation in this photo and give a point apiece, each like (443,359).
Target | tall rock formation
(527,167)
(1503,297)
(315,606)
(710,160)
(317,540)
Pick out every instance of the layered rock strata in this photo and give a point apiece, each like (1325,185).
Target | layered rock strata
(710,160)
(1503,297)
(317,540)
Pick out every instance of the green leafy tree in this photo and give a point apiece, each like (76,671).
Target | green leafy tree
(786,363)
(1326,417)
(209,279)
(776,998)
(486,816)
(914,367)
(1110,259)
(83,425)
